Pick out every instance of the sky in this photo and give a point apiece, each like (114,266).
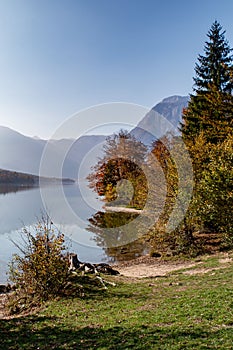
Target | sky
(58,57)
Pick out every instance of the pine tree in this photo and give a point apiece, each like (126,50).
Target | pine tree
(210,108)
(207,131)
(214,68)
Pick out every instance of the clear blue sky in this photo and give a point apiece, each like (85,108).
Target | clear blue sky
(60,56)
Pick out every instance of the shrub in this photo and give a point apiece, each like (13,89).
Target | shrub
(40,271)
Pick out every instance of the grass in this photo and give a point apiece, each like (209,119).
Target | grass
(180,311)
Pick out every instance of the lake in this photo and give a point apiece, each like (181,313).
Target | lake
(21,207)
(75,210)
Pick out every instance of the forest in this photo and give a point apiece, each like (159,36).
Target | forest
(8,177)
(15,178)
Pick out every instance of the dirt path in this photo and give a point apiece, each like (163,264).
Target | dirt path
(151,267)
(154,267)
(153,270)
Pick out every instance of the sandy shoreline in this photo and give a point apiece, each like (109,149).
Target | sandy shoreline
(147,266)
(122,210)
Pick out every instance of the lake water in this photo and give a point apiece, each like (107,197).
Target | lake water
(75,211)
(22,207)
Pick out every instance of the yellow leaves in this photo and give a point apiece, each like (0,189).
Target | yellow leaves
(42,268)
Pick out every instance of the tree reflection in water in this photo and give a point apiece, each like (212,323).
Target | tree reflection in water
(13,188)
(119,240)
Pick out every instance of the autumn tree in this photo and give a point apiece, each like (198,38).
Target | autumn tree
(214,189)
(124,158)
(174,229)
(127,176)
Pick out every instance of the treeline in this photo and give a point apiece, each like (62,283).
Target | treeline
(8,177)
(12,177)
(187,179)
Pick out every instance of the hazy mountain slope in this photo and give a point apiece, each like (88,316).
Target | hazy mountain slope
(23,154)
(172,107)
(153,126)
(82,152)
(19,152)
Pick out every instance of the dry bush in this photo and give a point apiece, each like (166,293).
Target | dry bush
(40,270)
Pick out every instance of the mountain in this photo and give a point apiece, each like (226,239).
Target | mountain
(162,118)
(76,154)
(19,152)
(172,107)
(23,154)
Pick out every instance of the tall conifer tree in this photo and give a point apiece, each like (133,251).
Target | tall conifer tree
(207,131)
(210,109)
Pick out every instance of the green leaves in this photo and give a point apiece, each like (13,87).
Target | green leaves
(215,189)
(212,68)
(207,131)
(210,108)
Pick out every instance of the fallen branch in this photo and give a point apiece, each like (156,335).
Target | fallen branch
(75,265)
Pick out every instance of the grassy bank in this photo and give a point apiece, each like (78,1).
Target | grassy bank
(189,309)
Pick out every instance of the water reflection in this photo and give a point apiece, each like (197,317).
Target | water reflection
(13,188)
(22,206)
(119,239)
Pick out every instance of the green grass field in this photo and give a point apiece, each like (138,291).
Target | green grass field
(180,311)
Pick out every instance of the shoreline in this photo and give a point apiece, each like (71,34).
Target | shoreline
(123,210)
(149,267)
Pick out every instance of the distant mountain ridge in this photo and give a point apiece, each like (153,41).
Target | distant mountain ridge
(18,152)
(163,117)
(23,154)
(172,108)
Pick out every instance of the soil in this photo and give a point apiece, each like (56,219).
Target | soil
(147,266)
(156,267)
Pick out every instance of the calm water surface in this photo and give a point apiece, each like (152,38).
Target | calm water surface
(76,212)
(22,207)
